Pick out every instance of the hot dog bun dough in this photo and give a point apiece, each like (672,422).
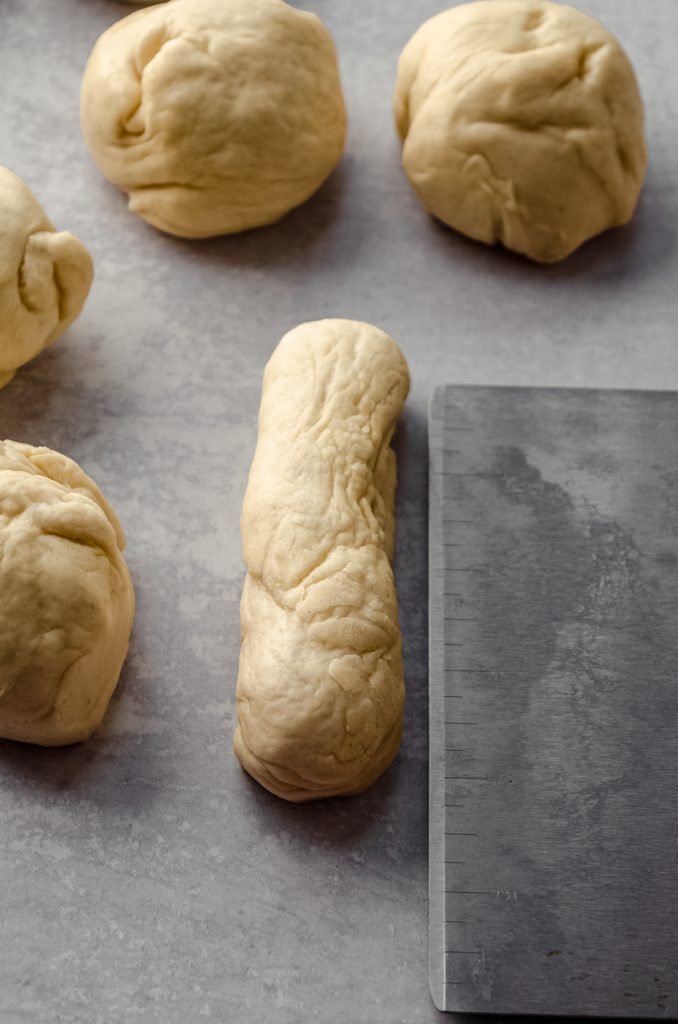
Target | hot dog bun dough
(320,686)
(67,598)
(45,276)
(214,115)
(522,123)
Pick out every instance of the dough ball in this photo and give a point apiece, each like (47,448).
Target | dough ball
(214,115)
(45,276)
(67,598)
(522,124)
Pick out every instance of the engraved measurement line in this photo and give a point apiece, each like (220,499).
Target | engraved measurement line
(453,643)
(474,834)
(468,778)
(461,723)
(465,568)
(452,474)
(454,862)
(477,670)
(464,952)
(460,522)
(459,618)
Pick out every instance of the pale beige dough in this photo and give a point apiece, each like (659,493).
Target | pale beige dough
(67,598)
(214,115)
(320,686)
(522,123)
(45,276)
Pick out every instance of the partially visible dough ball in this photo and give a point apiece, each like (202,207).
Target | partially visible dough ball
(214,115)
(67,598)
(522,123)
(45,276)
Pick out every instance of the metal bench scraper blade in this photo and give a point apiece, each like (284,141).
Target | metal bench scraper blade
(554,701)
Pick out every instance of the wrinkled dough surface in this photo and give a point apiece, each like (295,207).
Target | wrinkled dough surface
(214,115)
(522,123)
(45,276)
(67,598)
(320,684)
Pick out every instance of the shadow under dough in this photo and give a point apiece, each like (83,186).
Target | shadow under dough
(629,253)
(109,768)
(290,240)
(399,796)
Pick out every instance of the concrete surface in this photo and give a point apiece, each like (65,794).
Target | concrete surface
(144,877)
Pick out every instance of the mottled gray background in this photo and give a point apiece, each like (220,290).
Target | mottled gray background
(143,876)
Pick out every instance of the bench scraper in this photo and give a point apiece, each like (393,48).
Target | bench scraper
(554,701)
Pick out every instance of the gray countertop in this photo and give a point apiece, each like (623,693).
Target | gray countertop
(144,877)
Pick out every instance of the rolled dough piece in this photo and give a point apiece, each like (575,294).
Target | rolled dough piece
(522,123)
(214,115)
(45,276)
(320,686)
(67,598)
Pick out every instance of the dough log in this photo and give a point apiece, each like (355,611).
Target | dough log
(320,686)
